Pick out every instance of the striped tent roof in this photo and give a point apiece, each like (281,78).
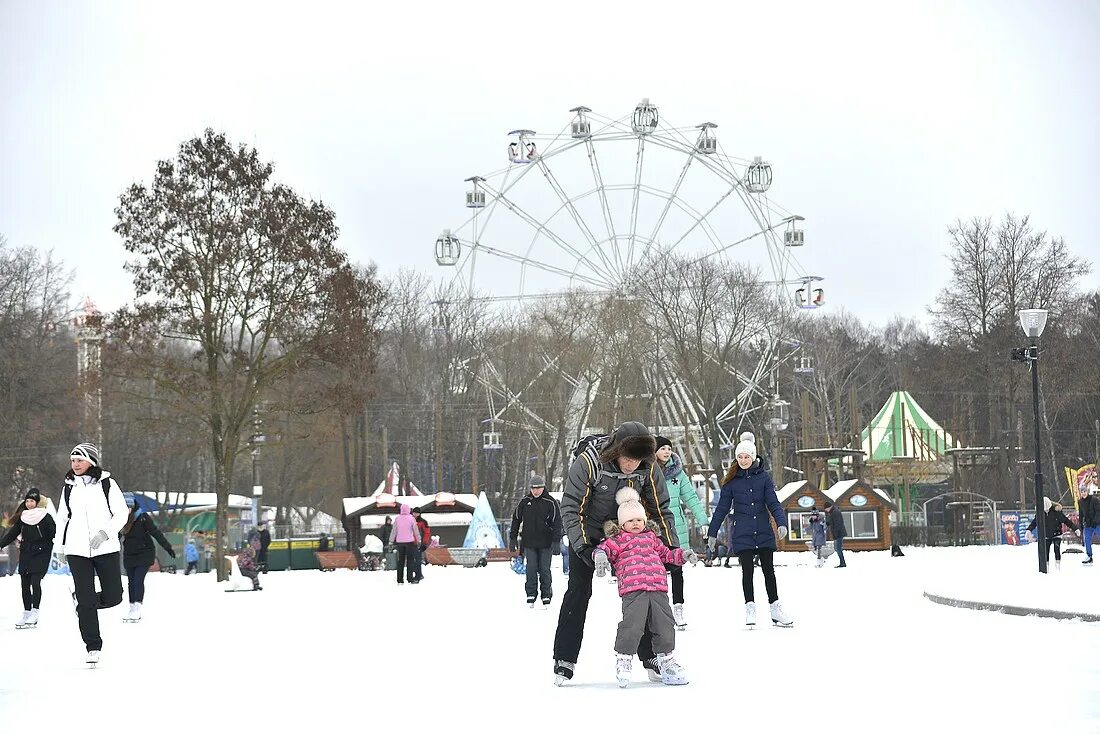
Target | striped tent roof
(903,429)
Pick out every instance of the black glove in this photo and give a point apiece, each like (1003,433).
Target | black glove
(172,553)
(585,554)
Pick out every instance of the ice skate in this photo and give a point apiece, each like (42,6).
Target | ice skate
(652,670)
(32,622)
(750,614)
(546,603)
(563,671)
(623,669)
(530,602)
(678,617)
(22,623)
(671,672)
(93,658)
(779,618)
(1087,561)
(135,613)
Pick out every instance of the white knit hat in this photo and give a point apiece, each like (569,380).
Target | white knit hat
(630,505)
(746,446)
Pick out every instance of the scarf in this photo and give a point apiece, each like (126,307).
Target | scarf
(32,517)
(673,467)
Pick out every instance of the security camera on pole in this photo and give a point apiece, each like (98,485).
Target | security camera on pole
(1032,321)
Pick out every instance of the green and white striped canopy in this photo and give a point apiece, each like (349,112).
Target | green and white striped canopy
(903,429)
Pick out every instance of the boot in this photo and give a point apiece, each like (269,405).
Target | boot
(22,623)
(129,613)
(530,602)
(563,671)
(1087,561)
(546,602)
(750,614)
(671,672)
(779,618)
(652,670)
(33,621)
(623,665)
(678,616)
(135,611)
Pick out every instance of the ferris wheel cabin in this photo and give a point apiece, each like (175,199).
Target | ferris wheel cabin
(758,177)
(645,118)
(707,144)
(522,150)
(475,197)
(447,249)
(581,127)
(807,297)
(794,236)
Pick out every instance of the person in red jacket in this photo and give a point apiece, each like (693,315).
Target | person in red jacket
(425,541)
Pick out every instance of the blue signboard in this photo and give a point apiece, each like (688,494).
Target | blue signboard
(1014,526)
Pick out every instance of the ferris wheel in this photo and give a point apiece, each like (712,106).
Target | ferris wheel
(593,204)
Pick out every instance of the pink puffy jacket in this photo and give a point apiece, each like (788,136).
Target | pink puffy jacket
(404,528)
(639,560)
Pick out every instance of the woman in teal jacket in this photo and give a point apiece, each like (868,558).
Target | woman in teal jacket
(680,492)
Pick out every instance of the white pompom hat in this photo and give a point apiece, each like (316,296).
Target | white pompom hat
(630,505)
(746,446)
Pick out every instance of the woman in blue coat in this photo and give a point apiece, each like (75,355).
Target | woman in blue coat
(749,491)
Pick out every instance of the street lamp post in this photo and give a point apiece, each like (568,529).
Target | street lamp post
(257,440)
(1032,321)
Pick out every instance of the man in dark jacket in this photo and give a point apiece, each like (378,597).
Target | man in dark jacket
(265,541)
(426,540)
(1089,511)
(836,525)
(624,460)
(539,518)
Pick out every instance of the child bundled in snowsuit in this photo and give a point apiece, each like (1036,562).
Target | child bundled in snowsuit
(639,557)
(817,536)
(191,555)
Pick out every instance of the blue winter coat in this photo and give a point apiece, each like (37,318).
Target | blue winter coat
(190,552)
(750,494)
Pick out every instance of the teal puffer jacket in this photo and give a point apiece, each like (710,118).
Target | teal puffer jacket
(682,492)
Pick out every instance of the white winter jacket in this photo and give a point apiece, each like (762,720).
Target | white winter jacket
(91,512)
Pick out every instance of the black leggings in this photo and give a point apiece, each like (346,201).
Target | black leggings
(745,559)
(135,578)
(1057,543)
(677,573)
(32,590)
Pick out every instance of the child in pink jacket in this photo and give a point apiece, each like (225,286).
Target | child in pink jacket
(639,557)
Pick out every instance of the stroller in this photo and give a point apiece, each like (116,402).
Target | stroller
(372,553)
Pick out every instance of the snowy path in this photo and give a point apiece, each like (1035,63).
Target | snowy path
(464,651)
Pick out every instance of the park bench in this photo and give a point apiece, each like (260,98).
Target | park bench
(499,554)
(438,555)
(332,560)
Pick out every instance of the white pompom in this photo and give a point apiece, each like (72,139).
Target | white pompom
(627,494)
(747,436)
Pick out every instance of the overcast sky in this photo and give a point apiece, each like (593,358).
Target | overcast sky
(884,121)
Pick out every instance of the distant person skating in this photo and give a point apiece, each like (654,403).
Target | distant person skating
(838,529)
(34,527)
(265,540)
(1088,506)
(138,553)
(406,536)
(817,536)
(1055,519)
(191,555)
(425,531)
(681,492)
(602,467)
(748,490)
(90,516)
(639,558)
(538,518)
(386,531)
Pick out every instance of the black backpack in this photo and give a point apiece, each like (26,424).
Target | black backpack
(590,447)
(106,483)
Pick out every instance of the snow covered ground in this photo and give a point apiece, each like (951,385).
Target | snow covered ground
(462,652)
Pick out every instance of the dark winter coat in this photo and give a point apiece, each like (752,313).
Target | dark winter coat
(817,529)
(750,495)
(836,523)
(539,518)
(37,544)
(588,499)
(137,544)
(265,541)
(1090,511)
(1054,522)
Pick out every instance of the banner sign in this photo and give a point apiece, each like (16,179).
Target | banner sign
(1014,526)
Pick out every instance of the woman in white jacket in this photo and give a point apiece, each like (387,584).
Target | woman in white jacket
(90,515)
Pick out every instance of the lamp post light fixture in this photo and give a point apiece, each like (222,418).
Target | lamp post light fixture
(1033,321)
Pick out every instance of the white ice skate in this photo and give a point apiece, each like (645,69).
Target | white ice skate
(22,623)
(750,614)
(93,658)
(563,671)
(530,602)
(33,621)
(623,669)
(779,618)
(545,604)
(134,615)
(671,672)
(678,616)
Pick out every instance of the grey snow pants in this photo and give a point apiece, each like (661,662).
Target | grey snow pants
(642,609)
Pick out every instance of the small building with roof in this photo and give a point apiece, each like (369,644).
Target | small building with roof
(866,512)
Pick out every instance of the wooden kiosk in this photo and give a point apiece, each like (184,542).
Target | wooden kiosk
(866,513)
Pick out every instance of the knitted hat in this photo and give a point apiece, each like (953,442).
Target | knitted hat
(630,506)
(86,451)
(662,441)
(33,494)
(746,446)
(537,481)
(1047,504)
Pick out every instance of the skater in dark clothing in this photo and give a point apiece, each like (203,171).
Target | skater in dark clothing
(748,490)
(1055,519)
(33,525)
(138,553)
(386,531)
(265,540)
(90,516)
(538,518)
(625,459)
(839,531)
(1088,506)
(425,540)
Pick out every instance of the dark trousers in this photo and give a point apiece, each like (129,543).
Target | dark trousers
(838,545)
(191,566)
(261,560)
(574,610)
(419,564)
(745,559)
(538,572)
(135,583)
(88,602)
(677,574)
(406,559)
(32,590)
(1057,543)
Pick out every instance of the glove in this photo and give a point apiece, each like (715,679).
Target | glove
(692,557)
(61,559)
(1077,533)
(600,563)
(585,554)
(782,532)
(712,543)
(1029,536)
(172,553)
(99,539)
